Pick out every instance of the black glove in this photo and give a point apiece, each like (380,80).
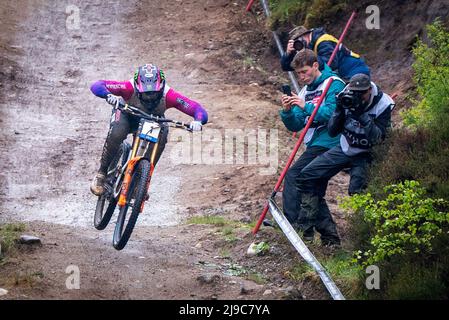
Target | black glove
(339,106)
(362,117)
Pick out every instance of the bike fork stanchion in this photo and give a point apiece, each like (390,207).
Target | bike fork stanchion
(292,155)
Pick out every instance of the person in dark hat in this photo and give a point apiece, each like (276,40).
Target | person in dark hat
(346,63)
(362,117)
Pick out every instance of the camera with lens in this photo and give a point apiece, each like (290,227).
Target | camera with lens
(349,99)
(299,44)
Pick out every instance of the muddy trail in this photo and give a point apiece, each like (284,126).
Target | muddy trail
(53,129)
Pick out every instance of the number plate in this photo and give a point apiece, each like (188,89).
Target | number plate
(150,131)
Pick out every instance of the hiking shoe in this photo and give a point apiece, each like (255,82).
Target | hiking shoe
(308,235)
(331,243)
(97,187)
(308,239)
(268,223)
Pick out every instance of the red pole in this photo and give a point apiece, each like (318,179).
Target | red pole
(341,39)
(248,6)
(334,53)
(292,155)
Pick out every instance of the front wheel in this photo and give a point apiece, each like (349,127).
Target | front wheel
(135,198)
(107,201)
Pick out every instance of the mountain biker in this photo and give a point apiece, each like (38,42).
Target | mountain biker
(148,91)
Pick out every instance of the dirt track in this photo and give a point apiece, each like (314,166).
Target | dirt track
(53,129)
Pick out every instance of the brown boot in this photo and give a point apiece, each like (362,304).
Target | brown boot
(96,186)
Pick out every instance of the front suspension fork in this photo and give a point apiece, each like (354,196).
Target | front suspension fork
(129,172)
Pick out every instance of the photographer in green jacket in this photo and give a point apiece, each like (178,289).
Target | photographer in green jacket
(295,114)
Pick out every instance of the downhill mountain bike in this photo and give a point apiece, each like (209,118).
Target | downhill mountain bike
(129,174)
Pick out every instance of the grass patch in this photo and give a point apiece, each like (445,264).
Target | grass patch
(248,62)
(235,270)
(256,277)
(346,274)
(27,278)
(220,222)
(228,233)
(227,228)
(341,268)
(240,271)
(310,13)
(225,253)
(212,220)
(9,234)
(414,282)
(299,271)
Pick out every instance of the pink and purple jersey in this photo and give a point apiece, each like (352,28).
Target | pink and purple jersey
(172,99)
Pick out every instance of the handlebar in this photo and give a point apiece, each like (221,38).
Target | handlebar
(142,114)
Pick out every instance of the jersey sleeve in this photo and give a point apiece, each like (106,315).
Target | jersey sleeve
(102,88)
(192,108)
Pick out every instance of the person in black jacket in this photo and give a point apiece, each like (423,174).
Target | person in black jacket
(362,117)
(346,63)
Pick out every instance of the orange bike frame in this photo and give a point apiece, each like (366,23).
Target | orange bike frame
(130,169)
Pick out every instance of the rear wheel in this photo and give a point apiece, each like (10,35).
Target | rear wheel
(107,202)
(130,211)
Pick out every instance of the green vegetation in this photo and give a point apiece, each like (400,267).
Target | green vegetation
(405,221)
(225,253)
(299,272)
(227,228)
(256,277)
(432,77)
(27,278)
(310,13)
(228,233)
(402,223)
(239,271)
(342,269)
(420,150)
(9,234)
(262,248)
(213,220)
(346,273)
(219,221)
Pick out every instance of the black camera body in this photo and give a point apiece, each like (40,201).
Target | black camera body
(349,99)
(299,44)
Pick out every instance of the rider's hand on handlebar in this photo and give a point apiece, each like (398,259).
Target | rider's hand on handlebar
(196,125)
(114,100)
